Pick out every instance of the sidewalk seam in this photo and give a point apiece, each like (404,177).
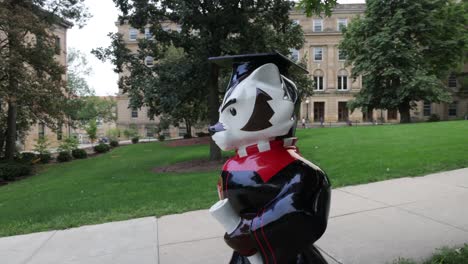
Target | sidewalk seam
(39,248)
(189,241)
(329,255)
(157,241)
(432,219)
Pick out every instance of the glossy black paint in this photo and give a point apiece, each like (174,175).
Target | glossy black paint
(262,113)
(281,218)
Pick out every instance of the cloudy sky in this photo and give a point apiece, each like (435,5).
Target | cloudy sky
(94,35)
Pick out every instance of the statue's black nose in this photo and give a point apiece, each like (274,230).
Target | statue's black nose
(218,127)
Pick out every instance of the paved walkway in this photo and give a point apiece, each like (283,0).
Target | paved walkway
(369,224)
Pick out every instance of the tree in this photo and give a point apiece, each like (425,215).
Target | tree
(91,130)
(207,29)
(311,7)
(83,105)
(403,49)
(31,84)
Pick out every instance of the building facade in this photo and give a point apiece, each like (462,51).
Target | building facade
(333,85)
(326,64)
(138,118)
(40,130)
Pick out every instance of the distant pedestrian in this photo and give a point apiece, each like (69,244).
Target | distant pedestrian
(303,123)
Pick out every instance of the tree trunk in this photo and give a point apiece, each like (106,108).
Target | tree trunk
(2,142)
(11,130)
(213,106)
(404,109)
(188,127)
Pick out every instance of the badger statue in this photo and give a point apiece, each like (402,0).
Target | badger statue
(279,201)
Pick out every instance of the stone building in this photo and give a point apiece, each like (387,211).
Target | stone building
(138,118)
(333,85)
(40,129)
(326,65)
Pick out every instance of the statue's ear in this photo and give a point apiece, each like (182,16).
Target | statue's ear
(268,74)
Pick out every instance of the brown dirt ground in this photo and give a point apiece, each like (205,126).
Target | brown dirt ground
(188,141)
(200,165)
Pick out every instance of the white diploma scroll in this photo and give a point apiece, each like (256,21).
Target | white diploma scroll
(223,212)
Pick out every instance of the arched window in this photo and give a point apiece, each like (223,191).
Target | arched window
(342,80)
(149,61)
(318,80)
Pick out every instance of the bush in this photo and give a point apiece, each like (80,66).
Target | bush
(45,157)
(101,148)
(135,140)
(28,157)
(202,134)
(114,143)
(161,137)
(79,154)
(64,156)
(433,118)
(10,170)
(68,144)
(186,136)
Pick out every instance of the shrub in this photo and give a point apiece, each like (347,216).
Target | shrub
(64,156)
(42,146)
(45,157)
(114,143)
(28,157)
(101,148)
(135,140)
(202,134)
(433,118)
(79,154)
(68,144)
(161,137)
(186,136)
(10,170)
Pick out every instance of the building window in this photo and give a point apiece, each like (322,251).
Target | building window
(318,25)
(452,81)
(59,131)
(295,22)
(341,55)
(133,34)
(182,131)
(41,130)
(134,113)
(57,46)
(342,23)
(392,114)
(427,108)
(166,133)
(148,34)
(318,54)
(150,131)
(318,80)
(149,61)
(294,54)
(342,80)
(452,110)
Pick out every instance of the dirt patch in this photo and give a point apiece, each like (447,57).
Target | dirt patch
(200,165)
(188,141)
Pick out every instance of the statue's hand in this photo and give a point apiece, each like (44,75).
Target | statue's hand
(240,239)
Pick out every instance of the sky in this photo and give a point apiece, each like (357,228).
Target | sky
(94,35)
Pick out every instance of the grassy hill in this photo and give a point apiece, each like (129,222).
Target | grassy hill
(120,184)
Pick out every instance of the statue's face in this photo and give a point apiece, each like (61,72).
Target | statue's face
(259,108)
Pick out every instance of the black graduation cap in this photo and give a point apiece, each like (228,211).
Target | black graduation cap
(243,65)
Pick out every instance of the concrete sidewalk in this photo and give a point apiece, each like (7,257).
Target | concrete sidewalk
(369,224)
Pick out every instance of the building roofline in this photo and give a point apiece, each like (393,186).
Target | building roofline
(339,9)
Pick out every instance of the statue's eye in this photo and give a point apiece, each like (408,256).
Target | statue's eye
(233,111)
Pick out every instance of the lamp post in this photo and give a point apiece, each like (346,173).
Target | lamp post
(307,109)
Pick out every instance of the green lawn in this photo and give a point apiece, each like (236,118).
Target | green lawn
(443,256)
(120,185)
